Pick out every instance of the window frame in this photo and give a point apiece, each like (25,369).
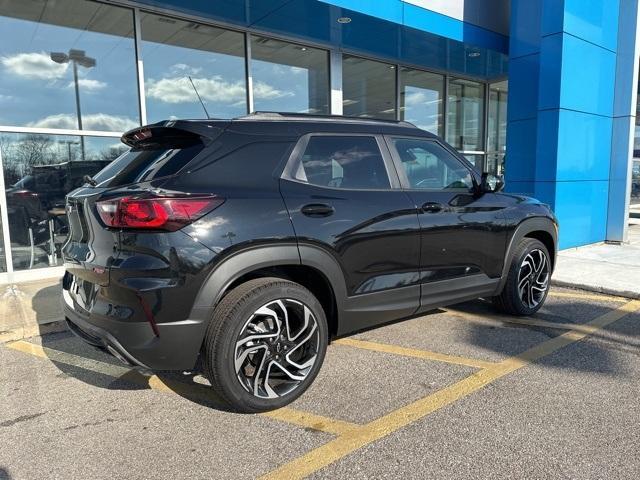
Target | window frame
(295,158)
(404,179)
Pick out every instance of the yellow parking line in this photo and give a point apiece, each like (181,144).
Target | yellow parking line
(69,358)
(588,296)
(525,321)
(311,420)
(355,439)
(192,391)
(412,352)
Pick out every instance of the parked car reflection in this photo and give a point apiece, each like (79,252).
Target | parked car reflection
(35,207)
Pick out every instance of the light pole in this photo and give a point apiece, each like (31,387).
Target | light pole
(76,57)
(69,143)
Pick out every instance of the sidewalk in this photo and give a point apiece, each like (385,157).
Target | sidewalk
(612,269)
(29,309)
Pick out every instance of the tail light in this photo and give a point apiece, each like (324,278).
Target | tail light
(155,213)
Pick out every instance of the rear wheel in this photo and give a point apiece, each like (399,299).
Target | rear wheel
(528,279)
(265,344)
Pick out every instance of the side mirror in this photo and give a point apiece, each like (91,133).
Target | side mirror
(490,183)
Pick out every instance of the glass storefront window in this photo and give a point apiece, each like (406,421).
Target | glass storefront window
(421,99)
(497,130)
(634,201)
(39,170)
(176,53)
(3,252)
(477,160)
(289,77)
(465,116)
(369,88)
(67,65)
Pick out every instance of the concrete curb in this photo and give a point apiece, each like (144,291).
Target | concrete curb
(28,331)
(596,289)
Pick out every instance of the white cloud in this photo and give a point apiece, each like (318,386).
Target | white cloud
(180,90)
(88,84)
(415,98)
(267,92)
(184,68)
(5,98)
(95,121)
(34,65)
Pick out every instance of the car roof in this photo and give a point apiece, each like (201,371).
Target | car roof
(285,125)
(299,123)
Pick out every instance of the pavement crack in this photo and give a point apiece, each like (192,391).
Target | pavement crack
(21,418)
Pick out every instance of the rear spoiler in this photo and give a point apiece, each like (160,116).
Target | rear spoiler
(176,133)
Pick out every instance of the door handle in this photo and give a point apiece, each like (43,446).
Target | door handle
(317,210)
(432,207)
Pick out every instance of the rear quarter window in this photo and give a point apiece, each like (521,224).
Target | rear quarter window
(248,165)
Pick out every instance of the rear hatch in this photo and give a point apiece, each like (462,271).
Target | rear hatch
(157,152)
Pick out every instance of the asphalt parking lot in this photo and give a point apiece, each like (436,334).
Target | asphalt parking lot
(460,393)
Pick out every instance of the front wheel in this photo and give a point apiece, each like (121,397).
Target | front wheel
(265,344)
(528,279)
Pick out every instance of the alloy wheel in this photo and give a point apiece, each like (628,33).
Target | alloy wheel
(533,278)
(276,348)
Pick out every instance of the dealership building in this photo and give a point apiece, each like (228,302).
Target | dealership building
(543,91)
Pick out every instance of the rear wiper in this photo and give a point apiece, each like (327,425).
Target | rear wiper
(89,180)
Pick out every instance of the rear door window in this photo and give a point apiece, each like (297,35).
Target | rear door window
(141,165)
(349,162)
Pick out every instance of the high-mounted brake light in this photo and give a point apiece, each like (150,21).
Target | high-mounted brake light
(157,213)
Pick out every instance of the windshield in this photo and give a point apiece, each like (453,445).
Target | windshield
(26,182)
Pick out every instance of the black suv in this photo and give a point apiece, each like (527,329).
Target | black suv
(249,243)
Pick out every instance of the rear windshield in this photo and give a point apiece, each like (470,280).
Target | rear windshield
(141,165)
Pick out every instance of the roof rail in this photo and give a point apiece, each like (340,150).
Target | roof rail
(263,115)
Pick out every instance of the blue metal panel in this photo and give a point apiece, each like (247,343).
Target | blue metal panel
(581,151)
(233,11)
(588,76)
(391,10)
(523,87)
(421,48)
(525,27)
(547,155)
(427,21)
(581,208)
(551,70)
(624,122)
(552,17)
(584,146)
(595,21)
(521,152)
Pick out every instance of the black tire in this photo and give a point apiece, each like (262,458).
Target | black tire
(231,319)
(511,300)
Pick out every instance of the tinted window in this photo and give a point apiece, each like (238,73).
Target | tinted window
(251,165)
(429,166)
(343,162)
(143,165)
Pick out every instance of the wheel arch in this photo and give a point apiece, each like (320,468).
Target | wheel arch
(320,274)
(539,228)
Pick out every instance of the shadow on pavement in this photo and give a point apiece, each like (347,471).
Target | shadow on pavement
(598,356)
(487,333)
(89,362)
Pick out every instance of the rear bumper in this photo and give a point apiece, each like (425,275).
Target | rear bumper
(175,348)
